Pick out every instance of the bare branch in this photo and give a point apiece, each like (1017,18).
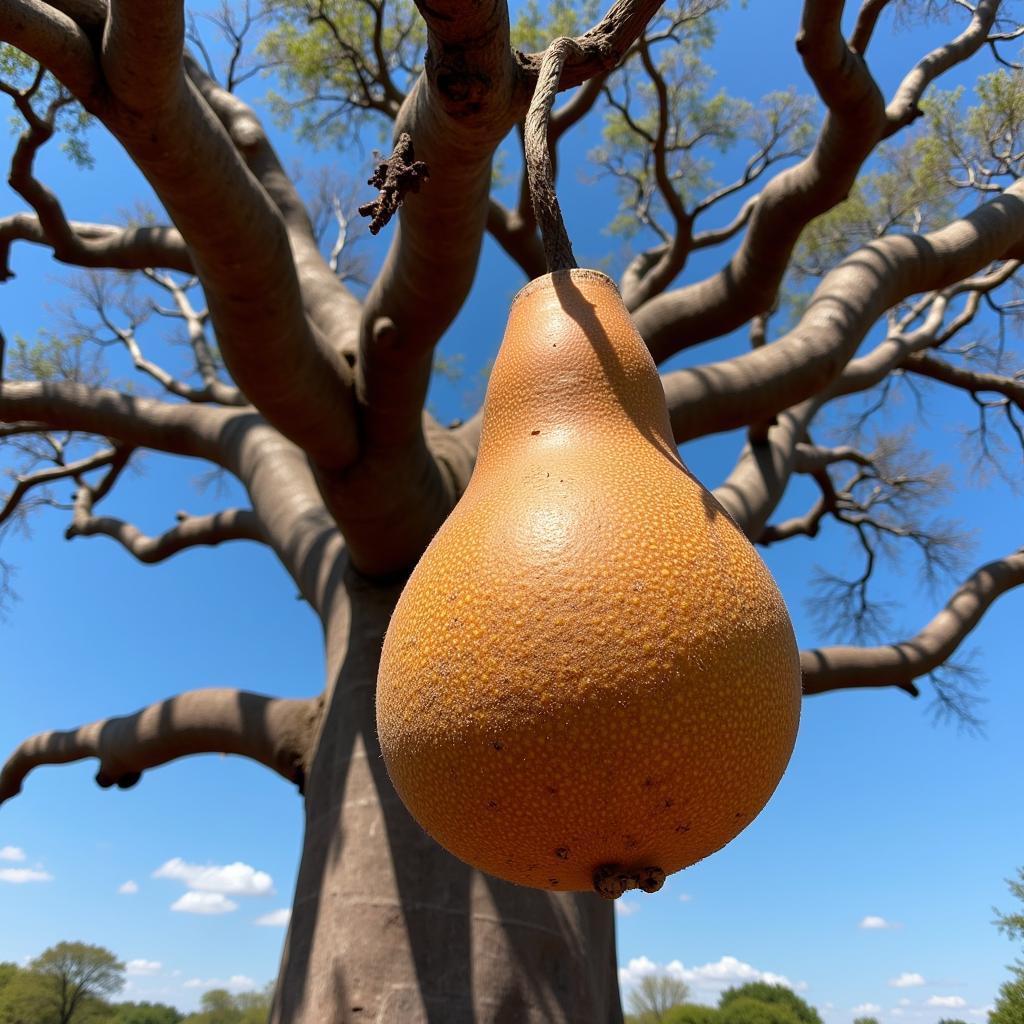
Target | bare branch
(330,305)
(927,365)
(867,18)
(812,458)
(97,245)
(839,668)
(142,52)
(598,50)
(754,387)
(748,285)
(40,478)
(904,108)
(517,235)
(140,422)
(191,531)
(276,732)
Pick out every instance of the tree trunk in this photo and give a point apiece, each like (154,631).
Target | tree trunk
(387,926)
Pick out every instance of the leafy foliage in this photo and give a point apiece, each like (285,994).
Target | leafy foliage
(145,1013)
(71,121)
(664,125)
(342,65)
(221,1007)
(771,995)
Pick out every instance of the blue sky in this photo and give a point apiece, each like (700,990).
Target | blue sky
(867,883)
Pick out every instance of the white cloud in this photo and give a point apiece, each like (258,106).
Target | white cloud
(872,921)
(239,982)
(867,1008)
(980,1011)
(128,888)
(11,853)
(908,979)
(236,879)
(625,908)
(204,903)
(949,1002)
(19,876)
(905,1001)
(636,969)
(276,918)
(712,976)
(142,966)
(685,897)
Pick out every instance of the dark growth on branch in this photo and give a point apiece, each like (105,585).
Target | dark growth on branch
(397,176)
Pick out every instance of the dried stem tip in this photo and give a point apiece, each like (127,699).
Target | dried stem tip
(395,177)
(612,880)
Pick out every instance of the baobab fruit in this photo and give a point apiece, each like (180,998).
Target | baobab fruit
(590,680)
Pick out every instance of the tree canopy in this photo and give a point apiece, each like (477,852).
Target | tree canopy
(796,263)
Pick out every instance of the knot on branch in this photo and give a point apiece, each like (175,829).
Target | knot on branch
(395,177)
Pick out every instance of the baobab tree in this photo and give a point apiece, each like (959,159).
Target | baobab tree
(857,252)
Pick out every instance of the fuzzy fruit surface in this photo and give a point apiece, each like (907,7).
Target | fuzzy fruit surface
(590,665)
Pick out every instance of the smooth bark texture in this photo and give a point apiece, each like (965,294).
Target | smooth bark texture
(841,668)
(374,889)
(272,731)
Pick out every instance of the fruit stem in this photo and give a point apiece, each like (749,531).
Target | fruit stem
(539,169)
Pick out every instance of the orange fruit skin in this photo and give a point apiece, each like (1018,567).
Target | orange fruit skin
(590,665)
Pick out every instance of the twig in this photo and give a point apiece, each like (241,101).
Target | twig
(540,171)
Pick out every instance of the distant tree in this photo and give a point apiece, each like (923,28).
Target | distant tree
(145,1013)
(746,1010)
(945,1020)
(654,995)
(874,1020)
(1009,1006)
(22,996)
(74,976)
(1013,924)
(693,1013)
(218,1006)
(774,995)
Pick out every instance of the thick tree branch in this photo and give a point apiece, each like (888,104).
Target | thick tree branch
(97,245)
(191,531)
(904,107)
(517,235)
(927,365)
(840,668)
(756,485)
(332,307)
(236,235)
(599,49)
(56,41)
(139,422)
(748,285)
(291,510)
(856,122)
(142,52)
(806,525)
(276,732)
(756,386)
(867,18)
